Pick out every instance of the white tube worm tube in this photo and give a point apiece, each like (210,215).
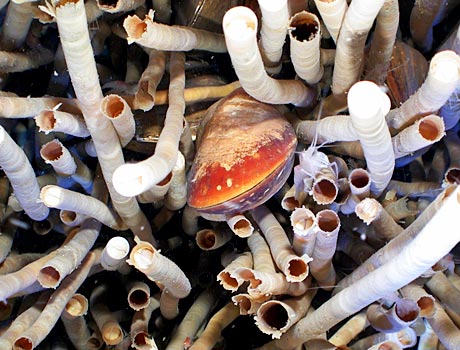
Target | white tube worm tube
(446,330)
(119,5)
(20,107)
(58,121)
(275,18)
(176,197)
(248,304)
(332,13)
(240,225)
(71,218)
(139,332)
(59,157)
(305,40)
(19,171)
(428,340)
(368,105)
(325,186)
(401,315)
(227,277)
(444,290)
(171,38)
(450,112)
(329,129)
(359,181)
(114,253)
(350,329)
(240,30)
(303,223)
(422,133)
(440,83)
(117,110)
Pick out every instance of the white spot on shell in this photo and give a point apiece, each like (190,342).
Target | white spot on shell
(219,187)
(229,182)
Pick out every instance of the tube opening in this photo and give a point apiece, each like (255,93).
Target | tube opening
(23,344)
(206,239)
(141,339)
(46,120)
(275,316)
(328,221)
(359,179)
(297,268)
(304,27)
(135,27)
(77,305)
(226,278)
(453,176)
(138,298)
(429,129)
(49,277)
(114,106)
(325,192)
(51,151)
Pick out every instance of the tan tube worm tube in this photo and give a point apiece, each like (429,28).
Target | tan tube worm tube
(332,13)
(20,107)
(399,210)
(227,277)
(176,197)
(157,192)
(210,239)
(11,62)
(240,30)
(119,5)
(275,18)
(444,290)
(304,224)
(14,261)
(71,218)
(117,110)
(133,179)
(428,340)
(360,183)
(16,25)
(354,247)
(59,157)
(240,225)
(289,202)
(248,304)
(138,295)
(440,83)
(425,301)
(305,40)
(368,105)
(74,36)
(7,233)
(350,329)
(53,120)
(171,38)
(452,142)
(405,338)
(444,327)
(325,186)
(295,268)
(19,171)
(401,315)
(139,331)
(114,253)
(414,189)
(73,318)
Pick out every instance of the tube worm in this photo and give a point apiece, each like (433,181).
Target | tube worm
(428,340)
(367,117)
(444,327)
(399,210)
(443,289)
(145,95)
(332,13)
(305,40)
(74,37)
(133,179)
(118,6)
(350,329)
(360,182)
(20,107)
(295,268)
(117,110)
(275,317)
(354,247)
(34,335)
(452,174)
(372,212)
(275,18)
(171,38)
(240,30)
(303,223)
(210,239)
(401,315)
(139,333)
(60,198)
(71,218)
(59,157)
(11,62)
(414,189)
(425,301)
(248,304)
(73,318)
(14,261)
(422,133)
(114,253)
(440,83)
(16,25)
(157,192)
(240,225)
(176,197)
(138,295)
(290,202)
(417,256)
(212,332)
(227,277)
(321,266)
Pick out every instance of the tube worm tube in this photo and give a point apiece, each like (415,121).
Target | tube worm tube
(332,13)
(428,340)
(414,189)
(371,212)
(295,268)
(61,198)
(385,345)
(114,253)
(227,277)
(59,157)
(325,245)
(119,6)
(176,197)
(443,289)
(405,338)
(74,36)
(349,330)
(305,40)
(262,259)
(171,38)
(444,327)
(240,30)
(54,120)
(452,142)
(157,192)
(383,40)
(20,107)
(354,247)
(16,25)
(22,178)
(451,109)
(212,332)
(275,317)
(71,218)
(275,18)
(248,304)
(14,261)
(240,225)
(34,335)
(399,210)
(147,86)
(193,319)
(440,83)
(325,186)
(422,133)
(11,62)
(117,110)
(7,233)
(138,295)
(417,256)
(210,239)
(290,202)
(303,223)
(133,179)
(139,332)
(73,318)
(360,183)
(425,301)
(367,116)
(401,315)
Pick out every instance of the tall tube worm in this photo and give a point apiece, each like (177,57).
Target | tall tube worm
(117,110)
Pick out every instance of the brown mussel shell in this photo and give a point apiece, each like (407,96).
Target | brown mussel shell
(245,154)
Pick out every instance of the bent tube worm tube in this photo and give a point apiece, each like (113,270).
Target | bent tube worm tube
(119,5)
(117,110)
(139,332)
(59,157)
(332,13)
(73,318)
(401,315)
(349,330)
(54,120)
(228,278)
(240,30)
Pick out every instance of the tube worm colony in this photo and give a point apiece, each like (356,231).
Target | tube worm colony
(290,181)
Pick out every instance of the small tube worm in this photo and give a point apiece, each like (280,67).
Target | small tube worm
(401,315)
(59,157)
(444,328)
(305,40)
(350,329)
(440,83)
(117,110)
(240,30)
(275,317)
(248,304)
(332,13)
(138,295)
(73,318)
(303,223)
(372,212)
(133,179)
(210,239)
(171,38)
(240,225)
(425,301)
(367,117)
(213,330)
(16,25)
(444,290)
(227,277)
(295,268)
(176,197)
(139,331)
(359,181)
(71,218)
(34,335)
(118,6)
(321,268)
(114,253)
(11,62)
(422,133)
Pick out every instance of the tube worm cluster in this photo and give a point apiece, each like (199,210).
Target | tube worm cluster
(290,181)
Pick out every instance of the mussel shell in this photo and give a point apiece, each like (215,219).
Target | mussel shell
(245,154)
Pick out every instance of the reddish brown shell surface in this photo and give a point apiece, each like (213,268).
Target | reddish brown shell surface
(245,154)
